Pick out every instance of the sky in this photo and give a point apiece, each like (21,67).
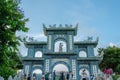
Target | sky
(96,18)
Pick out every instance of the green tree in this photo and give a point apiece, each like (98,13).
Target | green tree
(11,20)
(111,58)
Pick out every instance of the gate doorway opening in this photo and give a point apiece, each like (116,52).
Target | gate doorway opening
(84,72)
(58,70)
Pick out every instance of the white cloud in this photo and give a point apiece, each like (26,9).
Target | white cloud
(37,37)
(23,50)
(95,52)
(111,44)
(84,32)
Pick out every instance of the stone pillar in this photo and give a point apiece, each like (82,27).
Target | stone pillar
(26,70)
(31,52)
(49,42)
(70,42)
(74,68)
(47,63)
(94,69)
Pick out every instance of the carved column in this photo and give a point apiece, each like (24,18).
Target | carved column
(47,63)
(70,40)
(49,42)
(74,68)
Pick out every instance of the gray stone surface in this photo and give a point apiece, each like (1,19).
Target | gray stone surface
(10,78)
(1,78)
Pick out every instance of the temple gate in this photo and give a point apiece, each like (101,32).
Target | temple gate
(61,49)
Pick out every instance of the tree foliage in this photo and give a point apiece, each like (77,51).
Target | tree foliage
(11,20)
(111,58)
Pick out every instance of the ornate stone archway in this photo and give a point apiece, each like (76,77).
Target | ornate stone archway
(69,58)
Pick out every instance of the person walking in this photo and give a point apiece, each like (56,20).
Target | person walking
(92,77)
(25,77)
(43,76)
(54,75)
(70,75)
(47,76)
(28,78)
(84,75)
(62,77)
(67,77)
(34,76)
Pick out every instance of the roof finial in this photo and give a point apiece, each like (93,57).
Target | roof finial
(54,25)
(71,25)
(44,25)
(66,25)
(60,25)
(90,38)
(97,39)
(77,24)
(50,26)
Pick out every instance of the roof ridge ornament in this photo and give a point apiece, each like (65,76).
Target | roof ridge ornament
(50,26)
(60,25)
(66,25)
(90,38)
(77,25)
(44,25)
(71,26)
(54,25)
(97,39)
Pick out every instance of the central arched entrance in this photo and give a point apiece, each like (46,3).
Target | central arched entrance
(85,72)
(58,69)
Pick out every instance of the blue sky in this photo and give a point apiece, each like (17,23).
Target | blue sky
(95,17)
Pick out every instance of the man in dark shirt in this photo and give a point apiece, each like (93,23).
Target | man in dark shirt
(28,78)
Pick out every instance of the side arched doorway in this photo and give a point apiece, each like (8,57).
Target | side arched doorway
(37,72)
(58,69)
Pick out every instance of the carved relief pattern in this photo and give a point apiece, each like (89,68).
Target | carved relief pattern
(70,37)
(94,69)
(27,69)
(49,43)
(74,68)
(62,36)
(47,65)
(83,65)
